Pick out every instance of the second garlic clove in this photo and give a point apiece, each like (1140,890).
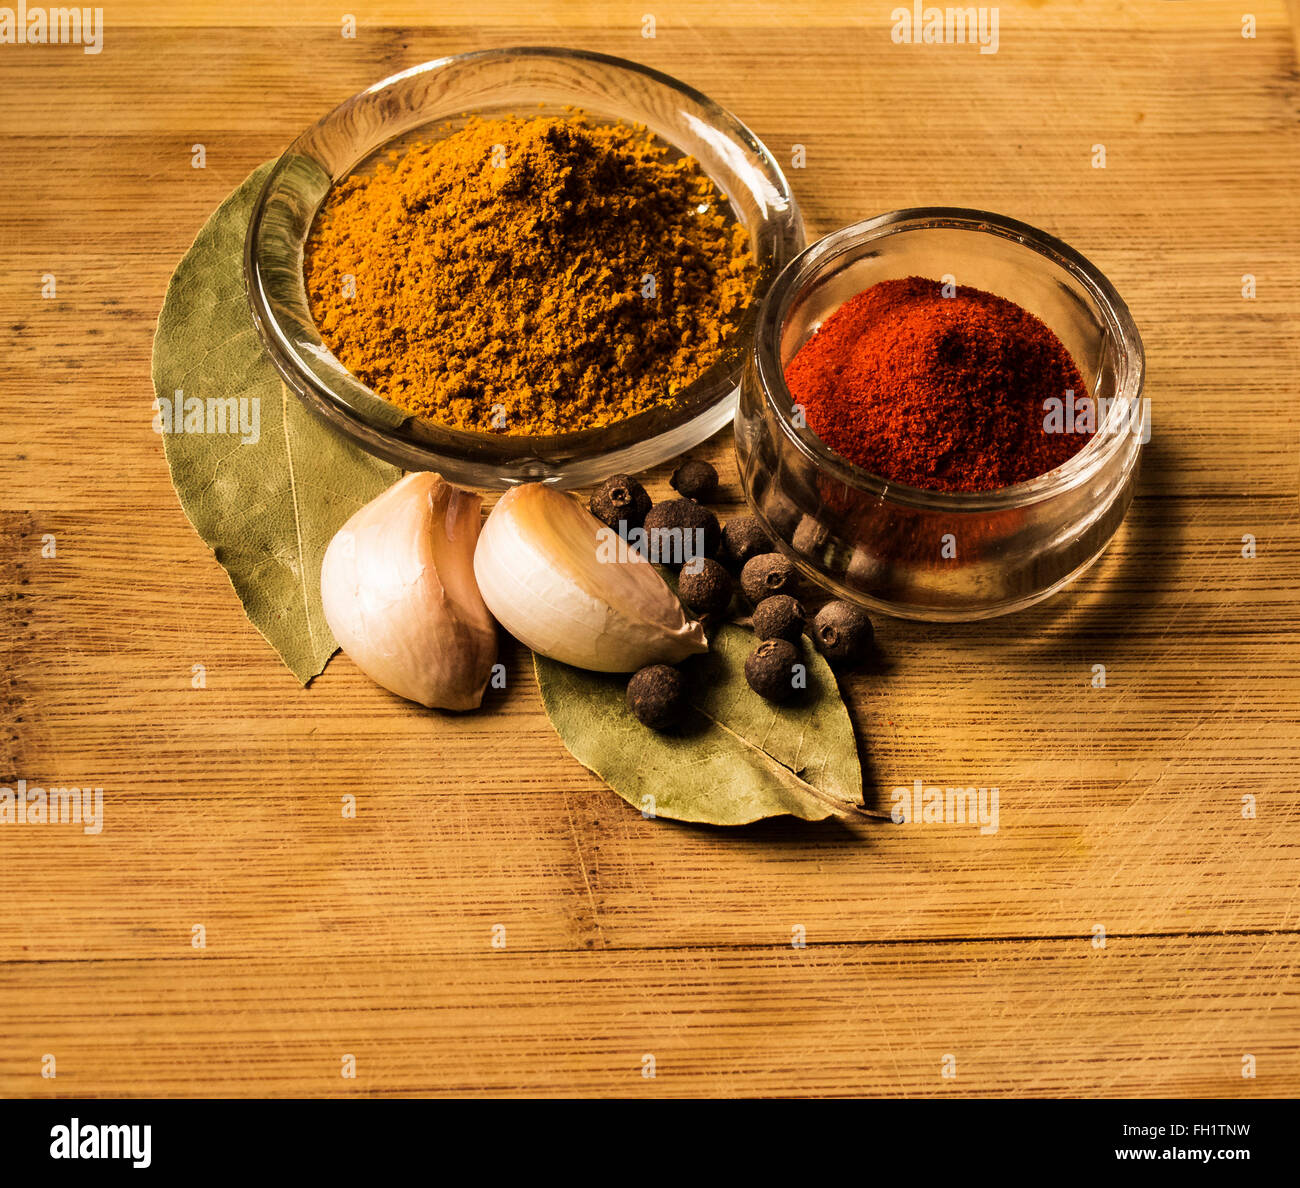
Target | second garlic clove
(556,578)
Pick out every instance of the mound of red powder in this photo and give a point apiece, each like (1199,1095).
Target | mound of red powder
(945,393)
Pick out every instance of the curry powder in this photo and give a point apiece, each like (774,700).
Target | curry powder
(529,275)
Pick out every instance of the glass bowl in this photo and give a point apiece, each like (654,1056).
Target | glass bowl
(502,82)
(931,554)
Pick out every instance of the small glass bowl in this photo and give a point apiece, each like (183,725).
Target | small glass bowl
(507,81)
(938,555)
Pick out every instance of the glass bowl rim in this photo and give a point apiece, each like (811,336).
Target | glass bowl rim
(1106,442)
(707,391)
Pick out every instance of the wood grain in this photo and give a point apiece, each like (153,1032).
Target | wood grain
(1120,808)
(1166,1015)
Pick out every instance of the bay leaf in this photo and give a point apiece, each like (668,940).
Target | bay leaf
(735,759)
(268,508)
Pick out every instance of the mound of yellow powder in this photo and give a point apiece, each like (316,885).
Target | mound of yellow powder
(529,276)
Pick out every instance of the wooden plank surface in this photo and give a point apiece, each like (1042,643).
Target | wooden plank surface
(1121,808)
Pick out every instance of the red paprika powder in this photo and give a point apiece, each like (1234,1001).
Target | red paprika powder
(944,393)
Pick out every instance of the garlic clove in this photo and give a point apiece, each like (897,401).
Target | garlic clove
(398,589)
(557,579)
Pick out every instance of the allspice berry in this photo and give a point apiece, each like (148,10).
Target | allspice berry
(676,529)
(620,500)
(842,633)
(780,617)
(695,479)
(656,695)
(772,670)
(705,587)
(767,574)
(743,537)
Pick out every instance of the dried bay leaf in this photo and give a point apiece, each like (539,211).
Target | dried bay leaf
(268,509)
(736,758)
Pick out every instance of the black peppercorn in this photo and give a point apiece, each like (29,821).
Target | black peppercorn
(774,670)
(705,587)
(779,512)
(695,479)
(767,574)
(656,695)
(620,502)
(743,537)
(810,536)
(680,529)
(842,633)
(779,617)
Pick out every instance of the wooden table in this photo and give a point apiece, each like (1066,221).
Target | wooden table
(1124,808)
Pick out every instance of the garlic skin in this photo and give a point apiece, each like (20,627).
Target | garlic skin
(540,571)
(397,585)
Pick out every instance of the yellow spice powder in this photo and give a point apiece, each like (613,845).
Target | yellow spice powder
(529,275)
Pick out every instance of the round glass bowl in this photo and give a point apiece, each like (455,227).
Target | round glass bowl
(501,82)
(931,554)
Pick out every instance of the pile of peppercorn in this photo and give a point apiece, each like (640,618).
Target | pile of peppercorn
(739,552)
